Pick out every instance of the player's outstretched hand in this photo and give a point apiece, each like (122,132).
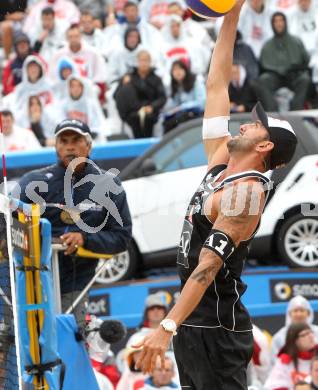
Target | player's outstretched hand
(154,345)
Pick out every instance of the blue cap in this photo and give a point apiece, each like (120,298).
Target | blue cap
(73,125)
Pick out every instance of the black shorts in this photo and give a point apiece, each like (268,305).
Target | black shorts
(212,358)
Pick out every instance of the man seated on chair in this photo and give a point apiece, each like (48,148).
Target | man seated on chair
(86,206)
(284,63)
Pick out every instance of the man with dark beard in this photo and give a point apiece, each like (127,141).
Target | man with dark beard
(284,63)
(214,340)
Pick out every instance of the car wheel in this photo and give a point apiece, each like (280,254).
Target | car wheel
(298,241)
(121,267)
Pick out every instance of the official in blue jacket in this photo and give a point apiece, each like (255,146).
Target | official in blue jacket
(86,206)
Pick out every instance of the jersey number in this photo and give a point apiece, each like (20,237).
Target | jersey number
(219,248)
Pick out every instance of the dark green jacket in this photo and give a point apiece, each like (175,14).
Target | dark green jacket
(284,54)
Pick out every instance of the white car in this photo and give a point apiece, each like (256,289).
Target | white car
(160,184)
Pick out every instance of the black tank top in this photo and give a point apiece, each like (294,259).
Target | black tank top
(220,306)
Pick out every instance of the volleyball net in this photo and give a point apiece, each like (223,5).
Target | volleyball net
(29,353)
(8,358)
(10,377)
(28,340)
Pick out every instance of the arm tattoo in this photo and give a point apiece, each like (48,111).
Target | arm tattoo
(206,275)
(203,276)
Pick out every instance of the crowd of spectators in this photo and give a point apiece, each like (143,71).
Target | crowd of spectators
(136,69)
(121,373)
(288,360)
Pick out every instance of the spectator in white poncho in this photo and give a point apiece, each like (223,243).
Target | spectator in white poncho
(81,103)
(261,359)
(16,138)
(89,63)
(282,5)
(65,68)
(299,310)
(178,46)
(41,119)
(124,59)
(192,29)
(65,10)
(303,23)
(156,11)
(92,35)
(49,36)
(114,34)
(255,24)
(34,83)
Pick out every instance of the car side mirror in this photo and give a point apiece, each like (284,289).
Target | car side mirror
(147,167)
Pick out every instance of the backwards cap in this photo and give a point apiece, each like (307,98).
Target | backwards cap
(281,134)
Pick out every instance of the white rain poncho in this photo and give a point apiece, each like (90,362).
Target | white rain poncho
(60,86)
(20,140)
(255,27)
(86,108)
(156,11)
(64,10)
(15,101)
(55,40)
(89,63)
(280,337)
(305,26)
(114,36)
(49,118)
(183,47)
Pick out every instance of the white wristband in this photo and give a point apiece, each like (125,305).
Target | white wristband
(216,127)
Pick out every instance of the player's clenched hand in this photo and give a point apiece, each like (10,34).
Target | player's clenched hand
(72,240)
(153,345)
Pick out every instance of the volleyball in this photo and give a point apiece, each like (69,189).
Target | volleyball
(210,8)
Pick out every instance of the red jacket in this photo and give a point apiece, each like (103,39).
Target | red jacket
(109,370)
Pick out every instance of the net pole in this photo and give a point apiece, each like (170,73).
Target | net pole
(98,272)
(10,254)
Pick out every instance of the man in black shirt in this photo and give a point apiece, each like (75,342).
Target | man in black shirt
(214,342)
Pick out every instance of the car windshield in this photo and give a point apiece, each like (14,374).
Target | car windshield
(186,149)
(234,126)
(183,151)
(311,125)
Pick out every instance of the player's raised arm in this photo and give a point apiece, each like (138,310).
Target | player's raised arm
(217,109)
